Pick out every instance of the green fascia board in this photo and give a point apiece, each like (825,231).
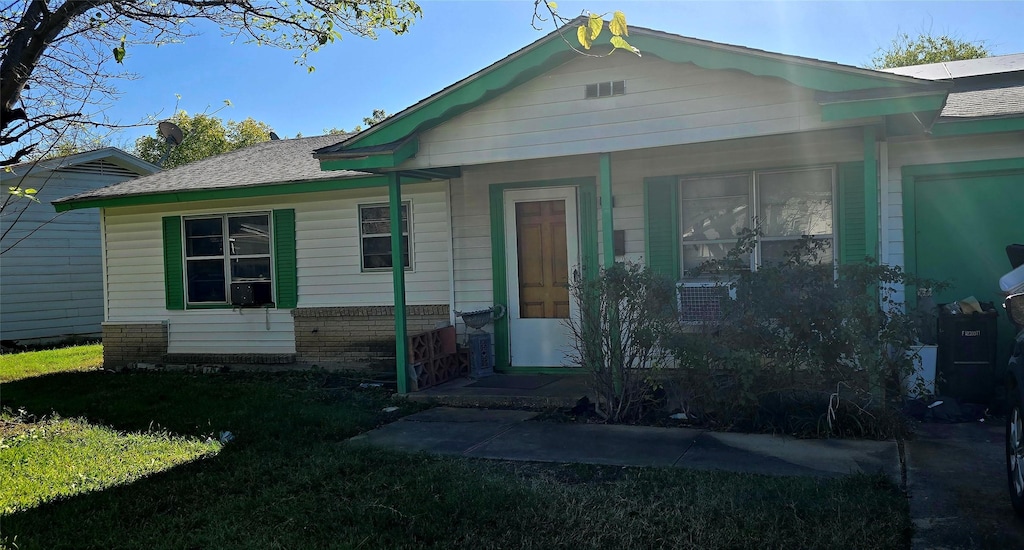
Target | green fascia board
(989,166)
(493,81)
(552,51)
(387,159)
(804,74)
(880,107)
(270,190)
(968,127)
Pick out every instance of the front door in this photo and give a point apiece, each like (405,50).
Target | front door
(542,243)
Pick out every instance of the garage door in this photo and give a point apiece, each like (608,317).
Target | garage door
(963,225)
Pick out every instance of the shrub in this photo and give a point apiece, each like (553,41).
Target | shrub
(800,336)
(625,314)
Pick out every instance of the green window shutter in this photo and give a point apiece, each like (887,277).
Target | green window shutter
(661,218)
(285,269)
(174,284)
(852,244)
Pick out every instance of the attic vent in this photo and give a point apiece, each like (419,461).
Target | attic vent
(605,89)
(98,167)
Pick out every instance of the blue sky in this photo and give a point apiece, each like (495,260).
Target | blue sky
(457,38)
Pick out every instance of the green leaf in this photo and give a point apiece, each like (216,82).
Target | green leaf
(621,44)
(552,6)
(119,54)
(618,24)
(583,35)
(30,191)
(595,25)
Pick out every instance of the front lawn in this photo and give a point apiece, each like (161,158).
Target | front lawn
(15,366)
(289,480)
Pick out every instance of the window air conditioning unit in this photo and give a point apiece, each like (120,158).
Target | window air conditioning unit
(251,294)
(700,302)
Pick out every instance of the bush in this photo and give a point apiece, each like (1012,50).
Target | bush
(806,347)
(625,315)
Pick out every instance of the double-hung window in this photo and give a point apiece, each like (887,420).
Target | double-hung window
(228,259)
(786,205)
(375,236)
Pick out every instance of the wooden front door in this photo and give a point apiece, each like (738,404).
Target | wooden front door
(543,249)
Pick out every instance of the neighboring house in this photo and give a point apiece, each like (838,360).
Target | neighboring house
(51,275)
(545,162)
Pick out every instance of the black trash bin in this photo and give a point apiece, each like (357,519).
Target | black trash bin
(966,361)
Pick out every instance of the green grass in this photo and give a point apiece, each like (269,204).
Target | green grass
(15,366)
(289,480)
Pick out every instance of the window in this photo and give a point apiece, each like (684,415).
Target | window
(375,236)
(239,273)
(787,203)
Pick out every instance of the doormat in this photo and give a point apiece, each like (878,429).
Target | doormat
(513,382)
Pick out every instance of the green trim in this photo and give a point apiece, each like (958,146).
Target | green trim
(870,193)
(385,159)
(276,189)
(795,71)
(212,306)
(398,276)
(286,271)
(910,176)
(661,225)
(574,371)
(880,107)
(551,51)
(174,264)
(968,127)
(607,203)
(587,214)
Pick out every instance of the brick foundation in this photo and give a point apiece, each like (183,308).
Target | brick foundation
(361,335)
(126,343)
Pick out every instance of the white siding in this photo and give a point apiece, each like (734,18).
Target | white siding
(327,253)
(52,280)
(471,216)
(937,151)
(665,104)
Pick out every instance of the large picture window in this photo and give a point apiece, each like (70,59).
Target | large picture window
(787,204)
(375,236)
(228,259)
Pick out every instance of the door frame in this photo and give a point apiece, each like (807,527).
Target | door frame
(586,196)
(911,173)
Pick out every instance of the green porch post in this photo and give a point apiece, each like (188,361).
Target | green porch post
(607,222)
(870,192)
(398,274)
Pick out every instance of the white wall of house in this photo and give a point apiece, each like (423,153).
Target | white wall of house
(327,254)
(470,195)
(52,285)
(937,151)
(664,104)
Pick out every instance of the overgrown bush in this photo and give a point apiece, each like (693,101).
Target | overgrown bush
(805,347)
(625,315)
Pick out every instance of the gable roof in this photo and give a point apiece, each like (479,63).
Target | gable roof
(275,162)
(110,159)
(387,137)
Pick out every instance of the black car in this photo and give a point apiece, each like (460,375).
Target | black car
(1014,305)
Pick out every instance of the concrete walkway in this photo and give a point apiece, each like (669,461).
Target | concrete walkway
(510,435)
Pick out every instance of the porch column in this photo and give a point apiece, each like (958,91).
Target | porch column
(871,192)
(607,223)
(398,274)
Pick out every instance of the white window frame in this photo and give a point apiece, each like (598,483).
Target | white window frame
(407,204)
(754,206)
(226,255)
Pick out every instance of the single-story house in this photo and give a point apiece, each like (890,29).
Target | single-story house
(51,276)
(493,190)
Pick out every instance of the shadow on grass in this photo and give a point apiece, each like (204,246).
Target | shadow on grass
(288,482)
